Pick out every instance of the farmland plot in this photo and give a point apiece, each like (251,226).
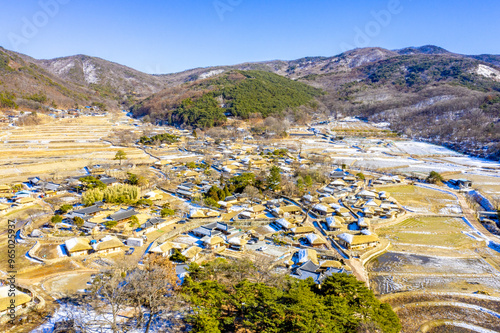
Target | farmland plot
(419,199)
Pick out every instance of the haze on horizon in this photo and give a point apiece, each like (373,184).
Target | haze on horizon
(171,36)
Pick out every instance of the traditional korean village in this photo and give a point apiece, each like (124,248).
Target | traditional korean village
(234,166)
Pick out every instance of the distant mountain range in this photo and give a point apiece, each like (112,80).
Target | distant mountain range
(424,92)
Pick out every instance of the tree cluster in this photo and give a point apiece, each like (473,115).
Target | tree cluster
(434,178)
(158,139)
(121,193)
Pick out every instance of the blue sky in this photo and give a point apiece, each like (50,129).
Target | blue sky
(167,36)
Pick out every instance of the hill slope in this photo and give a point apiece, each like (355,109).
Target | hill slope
(105,77)
(25,85)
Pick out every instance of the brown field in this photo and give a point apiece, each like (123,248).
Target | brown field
(67,284)
(431,259)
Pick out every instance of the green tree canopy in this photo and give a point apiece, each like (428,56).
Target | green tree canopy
(434,178)
(342,304)
(120,155)
(274,178)
(56,219)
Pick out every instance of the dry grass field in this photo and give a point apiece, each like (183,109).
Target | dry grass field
(416,307)
(421,200)
(67,284)
(431,231)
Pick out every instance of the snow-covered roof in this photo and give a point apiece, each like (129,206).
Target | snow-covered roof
(304,255)
(284,223)
(320,207)
(307,197)
(246,214)
(328,190)
(332,221)
(335,206)
(77,244)
(237,241)
(314,239)
(366,193)
(346,237)
(362,222)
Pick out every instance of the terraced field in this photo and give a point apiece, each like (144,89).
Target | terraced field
(60,146)
(466,313)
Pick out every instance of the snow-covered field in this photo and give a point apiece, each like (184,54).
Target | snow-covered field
(423,148)
(93,322)
(392,262)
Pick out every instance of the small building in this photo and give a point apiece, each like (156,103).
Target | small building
(291,210)
(86,212)
(77,246)
(304,255)
(166,249)
(461,183)
(321,209)
(308,199)
(334,223)
(356,242)
(302,230)
(108,244)
(108,180)
(212,243)
(20,299)
(338,174)
(135,242)
(5,189)
(237,243)
(153,224)
(123,215)
(315,240)
(284,223)
(192,253)
(365,194)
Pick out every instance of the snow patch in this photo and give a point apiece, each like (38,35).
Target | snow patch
(211,73)
(488,72)
(90,72)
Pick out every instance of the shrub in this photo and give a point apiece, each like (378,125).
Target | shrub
(167,212)
(56,219)
(178,256)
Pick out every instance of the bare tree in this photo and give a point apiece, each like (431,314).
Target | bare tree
(108,296)
(154,290)
(251,192)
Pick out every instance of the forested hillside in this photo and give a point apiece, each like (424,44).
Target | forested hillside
(238,93)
